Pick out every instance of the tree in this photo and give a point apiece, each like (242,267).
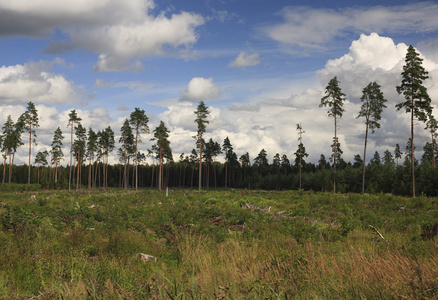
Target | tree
(373,103)
(276,161)
(357,161)
(409,149)
(91,151)
(201,121)
(285,163)
(322,162)
(376,159)
(227,148)
(106,144)
(161,148)
(41,159)
(127,139)
(211,150)
(417,101)
(334,99)
(139,121)
(301,150)
(73,119)
(28,121)
(11,140)
(397,153)
(428,153)
(432,127)
(261,159)
(56,151)
(388,159)
(335,158)
(245,163)
(79,150)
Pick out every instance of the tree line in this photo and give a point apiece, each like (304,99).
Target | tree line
(89,151)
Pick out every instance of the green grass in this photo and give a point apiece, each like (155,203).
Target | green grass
(216,244)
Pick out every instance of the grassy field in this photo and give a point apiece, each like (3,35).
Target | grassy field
(228,244)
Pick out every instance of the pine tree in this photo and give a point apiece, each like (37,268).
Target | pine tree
(211,150)
(397,153)
(227,148)
(139,120)
(127,139)
(432,127)
(28,121)
(417,101)
(73,119)
(201,121)
(301,150)
(334,99)
(57,154)
(41,159)
(161,149)
(388,159)
(91,152)
(335,158)
(79,150)
(373,103)
(11,140)
(285,163)
(261,159)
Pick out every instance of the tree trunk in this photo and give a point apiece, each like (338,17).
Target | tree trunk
(412,147)
(364,157)
(334,159)
(71,156)
(136,161)
(30,152)
(226,173)
(4,167)
(200,163)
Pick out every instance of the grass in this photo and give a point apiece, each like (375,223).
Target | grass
(216,245)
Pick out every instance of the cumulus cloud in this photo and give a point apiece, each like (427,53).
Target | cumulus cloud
(121,32)
(200,89)
(309,28)
(245,60)
(33,82)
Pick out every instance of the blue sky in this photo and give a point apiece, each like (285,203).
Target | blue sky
(260,66)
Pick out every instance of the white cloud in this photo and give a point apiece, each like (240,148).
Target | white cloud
(309,28)
(121,32)
(100,113)
(245,60)
(200,89)
(33,82)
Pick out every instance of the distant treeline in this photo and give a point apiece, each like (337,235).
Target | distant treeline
(382,176)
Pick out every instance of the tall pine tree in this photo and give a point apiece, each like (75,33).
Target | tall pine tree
(373,103)
(334,98)
(201,121)
(28,121)
(417,101)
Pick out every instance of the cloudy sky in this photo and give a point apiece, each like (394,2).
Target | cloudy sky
(260,66)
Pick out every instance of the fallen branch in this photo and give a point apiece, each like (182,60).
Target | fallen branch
(375,229)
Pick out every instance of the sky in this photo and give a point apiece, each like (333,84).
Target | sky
(260,66)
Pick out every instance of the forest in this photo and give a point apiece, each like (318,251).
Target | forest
(88,163)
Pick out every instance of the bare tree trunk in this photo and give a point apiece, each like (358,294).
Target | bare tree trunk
(11,166)
(4,167)
(334,160)
(412,149)
(200,163)
(364,157)
(30,152)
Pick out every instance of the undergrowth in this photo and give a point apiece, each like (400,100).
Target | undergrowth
(216,245)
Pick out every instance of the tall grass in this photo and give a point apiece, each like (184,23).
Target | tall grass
(216,245)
